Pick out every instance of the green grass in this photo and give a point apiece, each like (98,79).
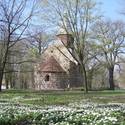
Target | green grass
(61,97)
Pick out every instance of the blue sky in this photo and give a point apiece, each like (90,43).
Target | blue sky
(112,8)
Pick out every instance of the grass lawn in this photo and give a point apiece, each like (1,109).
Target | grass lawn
(62,107)
(61,97)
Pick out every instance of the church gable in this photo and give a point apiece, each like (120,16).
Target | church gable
(51,65)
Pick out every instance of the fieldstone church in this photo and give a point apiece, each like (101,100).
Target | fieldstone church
(58,70)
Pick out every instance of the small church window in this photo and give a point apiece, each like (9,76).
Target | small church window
(47,78)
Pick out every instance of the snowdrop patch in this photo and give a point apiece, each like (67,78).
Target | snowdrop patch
(82,113)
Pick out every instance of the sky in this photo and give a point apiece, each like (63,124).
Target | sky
(112,9)
(109,8)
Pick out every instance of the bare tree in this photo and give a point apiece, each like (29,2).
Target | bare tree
(14,20)
(92,71)
(76,17)
(110,43)
(39,40)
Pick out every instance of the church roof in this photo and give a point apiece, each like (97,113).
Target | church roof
(51,65)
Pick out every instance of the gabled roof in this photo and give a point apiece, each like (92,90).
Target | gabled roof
(51,65)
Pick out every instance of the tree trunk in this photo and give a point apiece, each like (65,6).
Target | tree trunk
(11,82)
(2,71)
(1,79)
(111,78)
(90,78)
(4,64)
(83,70)
(85,81)
(7,83)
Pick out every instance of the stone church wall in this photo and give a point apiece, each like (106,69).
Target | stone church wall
(56,81)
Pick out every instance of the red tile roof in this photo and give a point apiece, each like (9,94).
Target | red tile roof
(51,65)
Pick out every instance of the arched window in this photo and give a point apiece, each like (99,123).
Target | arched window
(47,78)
